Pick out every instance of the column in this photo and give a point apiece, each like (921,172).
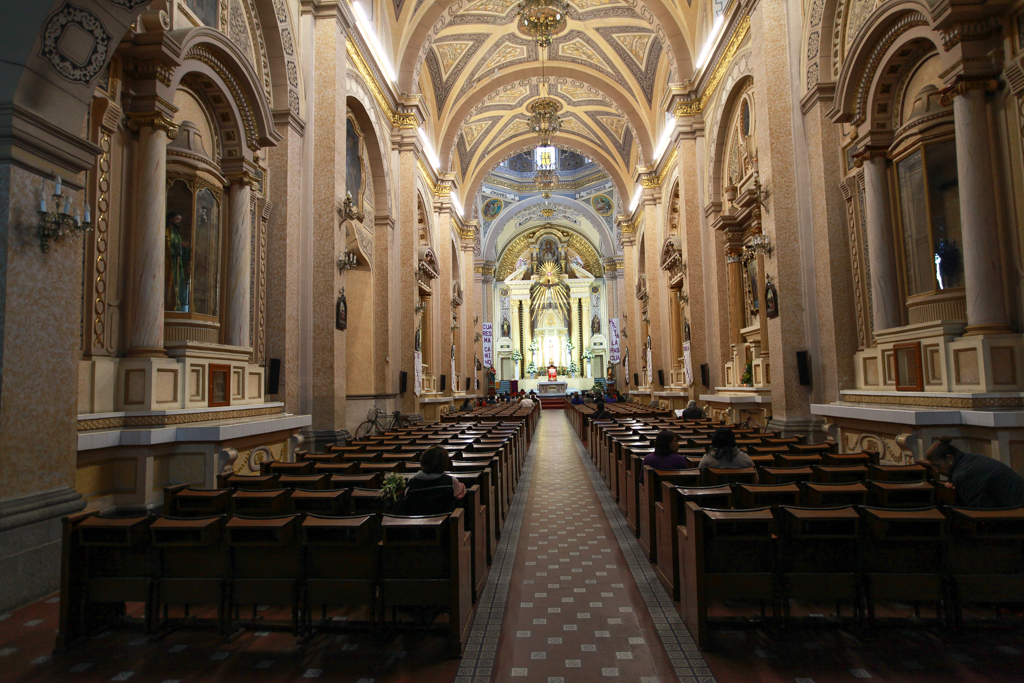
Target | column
(983,272)
(442,287)
(146,334)
(656,278)
(405,261)
(736,298)
(426,336)
(885,293)
(691,229)
(236,318)
(675,329)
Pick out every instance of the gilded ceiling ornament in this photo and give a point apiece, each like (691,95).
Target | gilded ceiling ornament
(541,19)
(544,119)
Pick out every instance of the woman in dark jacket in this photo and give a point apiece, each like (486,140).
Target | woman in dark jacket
(431,491)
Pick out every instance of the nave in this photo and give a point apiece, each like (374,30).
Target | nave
(570,597)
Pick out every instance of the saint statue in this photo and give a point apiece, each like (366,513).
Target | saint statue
(595,325)
(178,255)
(506,329)
(610,378)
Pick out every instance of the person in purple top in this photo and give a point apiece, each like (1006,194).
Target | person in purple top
(665,456)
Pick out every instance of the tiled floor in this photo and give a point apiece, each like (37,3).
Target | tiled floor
(570,598)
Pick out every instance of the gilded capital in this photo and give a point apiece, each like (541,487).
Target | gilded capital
(153,119)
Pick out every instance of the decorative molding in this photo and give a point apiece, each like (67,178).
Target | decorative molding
(245,109)
(78,69)
(152,119)
(696,106)
(174,419)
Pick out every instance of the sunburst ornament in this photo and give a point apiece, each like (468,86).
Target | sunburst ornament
(549,291)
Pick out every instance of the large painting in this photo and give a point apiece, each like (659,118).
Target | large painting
(353,164)
(492,207)
(602,203)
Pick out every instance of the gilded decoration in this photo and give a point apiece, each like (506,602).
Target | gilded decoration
(581,245)
(696,106)
(178,419)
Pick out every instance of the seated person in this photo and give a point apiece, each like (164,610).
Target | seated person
(665,455)
(430,491)
(526,402)
(692,412)
(577,399)
(723,453)
(491,400)
(610,398)
(979,481)
(467,406)
(599,412)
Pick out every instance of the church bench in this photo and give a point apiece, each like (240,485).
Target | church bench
(336,468)
(331,502)
(342,565)
(811,449)
(713,476)
(426,563)
(318,458)
(764,495)
(671,525)
(476,524)
(649,496)
(181,500)
(901,554)
(829,474)
(195,566)
(365,501)
(255,483)
(502,484)
(783,475)
(817,556)
(364,481)
(819,494)
(797,460)
(730,554)
(840,459)
(318,481)
(274,467)
(901,494)
(630,502)
(767,450)
(620,491)
(380,467)
(898,472)
(267,564)
(261,503)
(766,461)
(482,480)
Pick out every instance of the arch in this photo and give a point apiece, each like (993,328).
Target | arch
(887,29)
(358,91)
(514,247)
(606,248)
(374,151)
(611,90)
(515,146)
(210,52)
(286,87)
(721,134)
(662,18)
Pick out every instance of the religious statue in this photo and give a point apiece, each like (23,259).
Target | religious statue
(595,325)
(552,372)
(549,252)
(506,329)
(610,375)
(178,256)
(341,311)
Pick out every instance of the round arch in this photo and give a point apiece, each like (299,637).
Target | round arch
(599,155)
(721,133)
(606,248)
(606,86)
(375,154)
(514,247)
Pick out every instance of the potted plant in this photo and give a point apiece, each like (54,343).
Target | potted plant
(572,368)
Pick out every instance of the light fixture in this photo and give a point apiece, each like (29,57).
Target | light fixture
(54,224)
(347,260)
(759,244)
(545,182)
(760,192)
(544,119)
(541,19)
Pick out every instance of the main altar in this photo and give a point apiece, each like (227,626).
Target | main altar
(552,388)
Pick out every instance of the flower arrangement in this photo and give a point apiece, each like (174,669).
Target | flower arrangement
(392,488)
(572,367)
(531,368)
(516,356)
(588,355)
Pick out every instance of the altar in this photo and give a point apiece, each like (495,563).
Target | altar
(549,388)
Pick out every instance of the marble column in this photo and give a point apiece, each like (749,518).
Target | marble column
(426,336)
(700,307)
(236,313)
(405,262)
(736,300)
(146,333)
(983,272)
(885,293)
(675,329)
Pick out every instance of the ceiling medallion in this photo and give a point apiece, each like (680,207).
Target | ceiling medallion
(541,19)
(544,119)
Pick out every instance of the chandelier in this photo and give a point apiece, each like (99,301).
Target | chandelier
(545,182)
(544,119)
(541,19)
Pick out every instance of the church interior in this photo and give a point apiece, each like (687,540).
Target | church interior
(275,268)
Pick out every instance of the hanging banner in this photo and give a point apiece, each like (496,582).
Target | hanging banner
(613,340)
(455,384)
(649,372)
(687,365)
(417,364)
(488,337)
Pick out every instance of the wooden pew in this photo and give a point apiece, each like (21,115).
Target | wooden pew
(819,495)
(714,476)
(901,494)
(898,472)
(267,563)
(649,495)
(195,565)
(181,500)
(748,496)
(331,502)
(730,555)
(839,474)
(261,503)
(985,557)
(629,503)
(671,525)
(784,475)
(818,556)
(426,563)
(482,480)
(342,565)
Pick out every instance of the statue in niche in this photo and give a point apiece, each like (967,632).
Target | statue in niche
(178,255)
(549,253)
(341,312)
(595,324)
(506,328)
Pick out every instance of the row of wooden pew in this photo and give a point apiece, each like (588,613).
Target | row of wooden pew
(311,535)
(797,481)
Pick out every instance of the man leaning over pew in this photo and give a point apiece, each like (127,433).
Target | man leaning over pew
(980,482)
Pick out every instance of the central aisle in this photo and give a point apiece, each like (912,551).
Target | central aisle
(582,603)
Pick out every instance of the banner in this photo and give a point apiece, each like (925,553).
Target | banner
(687,365)
(417,364)
(613,340)
(488,336)
(649,373)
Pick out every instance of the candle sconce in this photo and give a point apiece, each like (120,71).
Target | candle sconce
(54,224)
(347,260)
(761,193)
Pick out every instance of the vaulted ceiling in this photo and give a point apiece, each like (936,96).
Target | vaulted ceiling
(476,72)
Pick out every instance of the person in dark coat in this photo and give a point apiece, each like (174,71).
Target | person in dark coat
(692,412)
(665,455)
(599,412)
(431,491)
(979,481)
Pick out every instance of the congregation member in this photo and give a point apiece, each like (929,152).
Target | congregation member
(431,491)
(979,481)
(724,454)
(692,412)
(526,402)
(467,406)
(577,399)
(666,454)
(599,411)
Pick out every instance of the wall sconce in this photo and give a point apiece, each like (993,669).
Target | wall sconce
(761,193)
(420,307)
(682,297)
(347,260)
(53,224)
(759,244)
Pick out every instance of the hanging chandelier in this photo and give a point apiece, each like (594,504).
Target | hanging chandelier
(541,19)
(545,182)
(544,119)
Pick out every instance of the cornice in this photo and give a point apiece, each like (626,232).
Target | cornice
(722,60)
(388,105)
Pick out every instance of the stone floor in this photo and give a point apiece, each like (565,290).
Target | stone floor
(570,598)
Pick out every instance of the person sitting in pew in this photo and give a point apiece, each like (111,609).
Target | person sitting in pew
(979,481)
(526,402)
(610,398)
(491,400)
(723,453)
(467,406)
(665,455)
(599,412)
(692,412)
(430,491)
(577,399)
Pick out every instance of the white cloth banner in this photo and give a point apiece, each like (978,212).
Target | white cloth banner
(613,340)
(488,336)
(417,364)
(687,365)
(650,368)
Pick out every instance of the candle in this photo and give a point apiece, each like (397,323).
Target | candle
(88,214)
(56,187)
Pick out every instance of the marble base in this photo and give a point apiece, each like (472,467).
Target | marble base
(30,545)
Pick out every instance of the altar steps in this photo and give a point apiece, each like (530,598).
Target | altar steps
(552,403)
